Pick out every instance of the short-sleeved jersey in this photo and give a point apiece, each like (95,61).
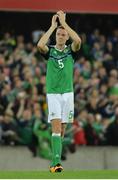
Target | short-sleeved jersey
(59,77)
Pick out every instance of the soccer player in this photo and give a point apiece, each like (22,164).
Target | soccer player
(59,81)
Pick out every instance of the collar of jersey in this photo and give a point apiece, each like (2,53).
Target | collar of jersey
(60,49)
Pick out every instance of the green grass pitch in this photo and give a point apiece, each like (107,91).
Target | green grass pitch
(82,174)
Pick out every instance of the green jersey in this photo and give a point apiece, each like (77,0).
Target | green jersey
(59,78)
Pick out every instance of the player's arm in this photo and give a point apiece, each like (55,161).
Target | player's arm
(76,44)
(42,44)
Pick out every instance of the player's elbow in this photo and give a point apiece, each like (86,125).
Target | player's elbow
(76,44)
(40,46)
(78,41)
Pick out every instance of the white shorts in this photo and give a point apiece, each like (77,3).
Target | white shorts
(61,106)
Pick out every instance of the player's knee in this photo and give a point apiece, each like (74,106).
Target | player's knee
(56,129)
(56,126)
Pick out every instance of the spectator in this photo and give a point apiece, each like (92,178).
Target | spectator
(112,131)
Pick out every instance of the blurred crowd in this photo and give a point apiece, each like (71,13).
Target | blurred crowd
(23,107)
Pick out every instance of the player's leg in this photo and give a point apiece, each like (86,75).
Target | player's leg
(67,115)
(54,118)
(56,146)
(56,141)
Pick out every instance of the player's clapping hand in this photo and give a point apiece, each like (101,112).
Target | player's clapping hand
(54,21)
(62,17)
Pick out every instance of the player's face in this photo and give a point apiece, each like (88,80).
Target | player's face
(61,36)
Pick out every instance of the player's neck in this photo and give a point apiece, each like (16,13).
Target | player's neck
(60,47)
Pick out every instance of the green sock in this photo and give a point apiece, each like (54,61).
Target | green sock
(56,149)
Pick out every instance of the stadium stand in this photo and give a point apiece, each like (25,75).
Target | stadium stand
(23,107)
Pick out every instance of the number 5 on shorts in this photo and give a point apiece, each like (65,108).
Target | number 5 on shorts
(71,116)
